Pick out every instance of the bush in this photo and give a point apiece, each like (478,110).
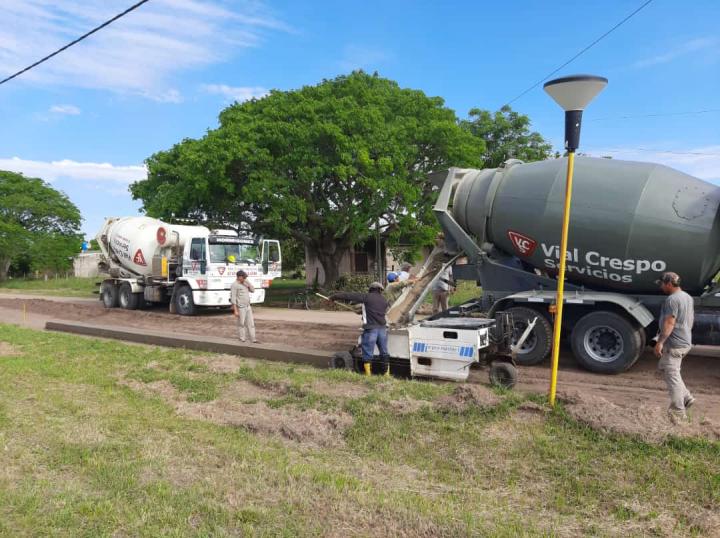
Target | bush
(356,283)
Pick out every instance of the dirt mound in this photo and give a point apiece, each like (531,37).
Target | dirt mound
(8,350)
(466,396)
(649,423)
(238,406)
(308,426)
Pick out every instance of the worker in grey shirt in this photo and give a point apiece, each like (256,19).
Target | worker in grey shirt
(674,341)
(441,290)
(240,293)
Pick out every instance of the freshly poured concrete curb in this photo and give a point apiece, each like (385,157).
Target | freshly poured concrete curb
(268,352)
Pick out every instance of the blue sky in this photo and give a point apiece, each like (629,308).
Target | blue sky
(87,119)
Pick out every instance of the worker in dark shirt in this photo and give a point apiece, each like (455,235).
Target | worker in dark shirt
(374,307)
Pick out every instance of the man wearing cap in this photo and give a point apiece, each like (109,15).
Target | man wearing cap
(674,341)
(240,293)
(374,308)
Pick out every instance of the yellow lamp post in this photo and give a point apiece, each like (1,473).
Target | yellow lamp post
(573,94)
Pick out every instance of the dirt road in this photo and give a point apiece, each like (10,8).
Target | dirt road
(333,331)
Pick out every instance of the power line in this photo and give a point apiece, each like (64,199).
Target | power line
(583,51)
(91,32)
(656,115)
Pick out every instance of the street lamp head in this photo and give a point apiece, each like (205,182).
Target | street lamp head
(573,94)
(575,91)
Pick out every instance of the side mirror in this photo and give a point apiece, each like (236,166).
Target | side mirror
(203,267)
(265,266)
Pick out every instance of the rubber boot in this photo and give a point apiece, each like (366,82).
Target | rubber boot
(367,367)
(387,371)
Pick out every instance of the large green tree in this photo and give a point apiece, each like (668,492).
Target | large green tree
(322,164)
(507,135)
(37,223)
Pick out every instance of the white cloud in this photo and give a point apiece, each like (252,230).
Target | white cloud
(110,175)
(701,162)
(692,46)
(236,93)
(65,110)
(140,54)
(361,57)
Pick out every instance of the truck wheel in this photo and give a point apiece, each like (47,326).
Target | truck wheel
(109,293)
(184,303)
(342,360)
(606,343)
(503,374)
(127,299)
(537,346)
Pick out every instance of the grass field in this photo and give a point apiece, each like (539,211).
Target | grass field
(100,438)
(65,287)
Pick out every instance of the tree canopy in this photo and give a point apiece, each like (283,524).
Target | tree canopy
(507,135)
(321,164)
(38,224)
(324,164)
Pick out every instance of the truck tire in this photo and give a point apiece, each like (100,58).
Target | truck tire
(606,343)
(537,346)
(184,304)
(503,374)
(109,295)
(126,298)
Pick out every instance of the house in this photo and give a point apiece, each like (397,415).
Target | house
(360,260)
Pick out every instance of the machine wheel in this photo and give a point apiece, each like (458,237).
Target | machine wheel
(342,360)
(606,343)
(537,346)
(184,303)
(109,294)
(503,374)
(127,299)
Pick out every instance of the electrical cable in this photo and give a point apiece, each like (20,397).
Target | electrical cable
(583,51)
(46,58)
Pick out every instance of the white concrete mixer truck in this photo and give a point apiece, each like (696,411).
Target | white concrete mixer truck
(146,260)
(630,222)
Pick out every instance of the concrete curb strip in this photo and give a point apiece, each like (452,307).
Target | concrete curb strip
(279,353)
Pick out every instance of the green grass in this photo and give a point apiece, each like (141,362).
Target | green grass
(281,289)
(67,287)
(465,291)
(83,454)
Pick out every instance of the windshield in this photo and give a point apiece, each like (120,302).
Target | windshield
(233,253)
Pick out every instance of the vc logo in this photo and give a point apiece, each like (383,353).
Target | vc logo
(522,244)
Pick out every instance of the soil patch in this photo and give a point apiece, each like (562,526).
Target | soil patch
(223,364)
(307,427)
(650,423)
(469,395)
(340,390)
(245,391)
(8,350)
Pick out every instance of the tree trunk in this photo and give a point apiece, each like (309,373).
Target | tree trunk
(4,268)
(330,256)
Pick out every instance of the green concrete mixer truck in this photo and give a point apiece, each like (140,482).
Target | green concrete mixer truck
(630,222)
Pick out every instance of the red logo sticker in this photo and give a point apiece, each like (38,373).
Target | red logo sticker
(522,244)
(221,270)
(194,266)
(139,259)
(161,235)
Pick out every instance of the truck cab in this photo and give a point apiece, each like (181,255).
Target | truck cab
(209,265)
